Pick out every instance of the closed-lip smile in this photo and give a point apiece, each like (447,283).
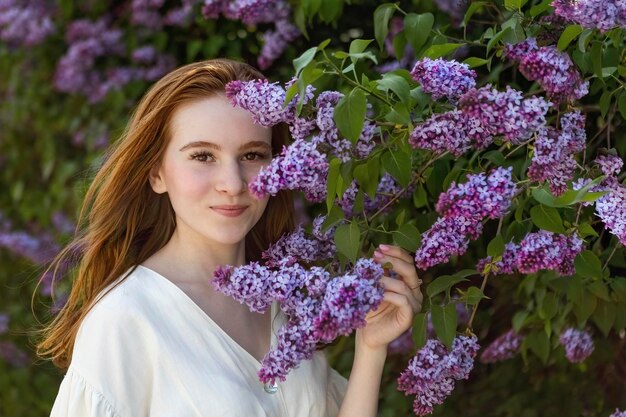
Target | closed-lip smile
(229,210)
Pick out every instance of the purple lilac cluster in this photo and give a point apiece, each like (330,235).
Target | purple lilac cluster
(504,347)
(13,355)
(25,22)
(297,247)
(263,99)
(300,166)
(611,208)
(149,14)
(38,250)
(442,78)
(253,12)
(431,374)
(453,131)
(505,113)
(537,251)
(610,165)
(552,69)
(387,188)
(4,323)
(318,307)
(553,159)
(618,413)
(454,8)
(463,208)
(578,344)
(601,14)
(329,135)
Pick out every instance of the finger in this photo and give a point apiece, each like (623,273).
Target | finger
(400,301)
(406,270)
(396,251)
(400,287)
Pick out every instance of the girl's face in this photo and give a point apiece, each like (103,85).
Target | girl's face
(215,150)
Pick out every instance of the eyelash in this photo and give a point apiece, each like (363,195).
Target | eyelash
(259,156)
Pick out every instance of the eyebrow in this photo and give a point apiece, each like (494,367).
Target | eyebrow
(249,145)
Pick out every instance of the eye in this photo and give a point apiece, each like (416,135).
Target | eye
(202,156)
(255,156)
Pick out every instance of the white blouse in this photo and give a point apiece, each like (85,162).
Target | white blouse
(146,349)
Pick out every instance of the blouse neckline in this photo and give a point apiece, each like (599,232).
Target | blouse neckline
(176,289)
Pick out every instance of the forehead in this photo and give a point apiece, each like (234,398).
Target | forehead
(214,119)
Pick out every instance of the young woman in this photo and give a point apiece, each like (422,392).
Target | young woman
(143,332)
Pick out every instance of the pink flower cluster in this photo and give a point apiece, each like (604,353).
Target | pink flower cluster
(537,251)
(25,22)
(431,374)
(442,78)
(463,208)
(253,12)
(553,159)
(319,307)
(601,14)
(552,69)
(504,347)
(578,344)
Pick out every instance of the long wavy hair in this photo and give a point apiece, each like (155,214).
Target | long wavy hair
(122,221)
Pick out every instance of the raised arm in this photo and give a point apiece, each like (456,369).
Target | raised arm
(402,300)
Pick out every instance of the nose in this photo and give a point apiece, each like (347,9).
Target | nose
(231,179)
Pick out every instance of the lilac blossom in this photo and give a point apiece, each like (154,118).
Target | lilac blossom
(610,165)
(442,78)
(454,8)
(553,159)
(261,98)
(578,344)
(453,131)
(552,69)
(13,355)
(276,41)
(505,113)
(547,250)
(298,247)
(506,265)
(611,208)
(446,238)
(38,250)
(146,13)
(431,374)
(247,284)
(502,348)
(481,196)
(591,14)
(387,188)
(618,413)
(300,166)
(25,23)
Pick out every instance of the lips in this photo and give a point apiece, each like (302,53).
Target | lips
(229,211)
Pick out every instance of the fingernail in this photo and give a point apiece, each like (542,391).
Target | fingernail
(377,254)
(383,247)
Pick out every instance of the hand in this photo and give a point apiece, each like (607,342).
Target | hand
(402,299)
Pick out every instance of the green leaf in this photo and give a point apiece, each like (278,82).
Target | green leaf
(492,42)
(350,114)
(583,40)
(514,4)
(496,246)
(420,325)
(604,316)
(600,290)
(417,29)
(596,58)
(304,59)
(605,102)
(540,8)
(334,175)
(444,322)
(569,34)
(539,344)
(382,14)
(407,237)
(443,283)
(357,47)
(437,51)
(367,177)
(474,295)
(547,218)
(519,319)
(348,240)
(420,198)
(585,230)
(549,307)
(588,265)
(397,84)
(398,164)
(585,308)
(473,8)
(474,62)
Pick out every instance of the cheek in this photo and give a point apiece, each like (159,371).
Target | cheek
(187,182)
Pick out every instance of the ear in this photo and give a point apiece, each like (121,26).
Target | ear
(156,180)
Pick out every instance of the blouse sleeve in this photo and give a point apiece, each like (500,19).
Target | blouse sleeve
(337,386)
(77,398)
